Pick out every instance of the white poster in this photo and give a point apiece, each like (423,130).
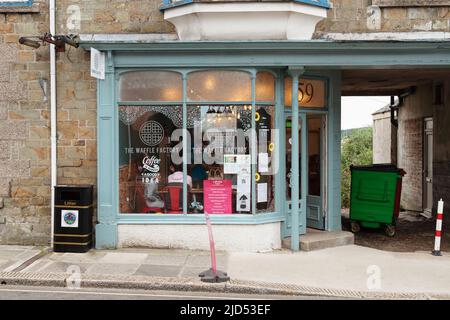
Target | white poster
(97,64)
(244,163)
(230,165)
(236,163)
(263,162)
(262,192)
(69,218)
(243,192)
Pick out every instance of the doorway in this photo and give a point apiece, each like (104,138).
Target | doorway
(316,137)
(428,168)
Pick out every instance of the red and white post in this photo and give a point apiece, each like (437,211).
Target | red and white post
(437,240)
(212,274)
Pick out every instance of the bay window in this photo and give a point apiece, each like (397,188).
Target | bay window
(229,127)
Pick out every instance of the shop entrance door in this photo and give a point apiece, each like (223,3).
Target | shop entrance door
(315,216)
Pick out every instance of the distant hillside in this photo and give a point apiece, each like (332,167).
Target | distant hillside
(347,132)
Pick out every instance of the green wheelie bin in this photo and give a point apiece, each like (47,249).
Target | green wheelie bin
(375,197)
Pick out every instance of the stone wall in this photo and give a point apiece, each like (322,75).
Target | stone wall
(359,16)
(24,130)
(410,146)
(384,139)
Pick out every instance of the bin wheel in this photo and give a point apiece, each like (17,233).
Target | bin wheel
(355,227)
(389,230)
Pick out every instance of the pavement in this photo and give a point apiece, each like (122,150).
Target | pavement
(347,271)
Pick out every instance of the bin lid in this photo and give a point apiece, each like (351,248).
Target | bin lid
(384,167)
(74,186)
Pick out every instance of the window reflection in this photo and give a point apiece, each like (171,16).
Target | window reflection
(219,85)
(151,86)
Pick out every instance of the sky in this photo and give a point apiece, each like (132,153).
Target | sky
(357,111)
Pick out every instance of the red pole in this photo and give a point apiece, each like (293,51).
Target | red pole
(437,240)
(212,274)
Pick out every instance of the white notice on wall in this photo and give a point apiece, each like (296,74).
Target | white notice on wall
(262,192)
(97,64)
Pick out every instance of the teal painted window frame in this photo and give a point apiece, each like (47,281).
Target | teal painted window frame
(185,218)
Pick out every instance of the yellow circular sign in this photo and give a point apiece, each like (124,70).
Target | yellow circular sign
(257,116)
(257,177)
(271,146)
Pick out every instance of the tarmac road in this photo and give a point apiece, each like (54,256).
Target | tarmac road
(53,293)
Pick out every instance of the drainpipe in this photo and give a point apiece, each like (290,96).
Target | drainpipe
(394,107)
(52,116)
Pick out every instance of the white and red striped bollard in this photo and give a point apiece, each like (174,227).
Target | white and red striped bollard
(437,240)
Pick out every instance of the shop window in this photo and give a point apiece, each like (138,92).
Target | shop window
(151,86)
(219,157)
(265,86)
(311,93)
(150,181)
(220,164)
(220,170)
(219,85)
(266,167)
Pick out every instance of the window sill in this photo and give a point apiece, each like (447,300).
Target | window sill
(261,218)
(34,8)
(410,3)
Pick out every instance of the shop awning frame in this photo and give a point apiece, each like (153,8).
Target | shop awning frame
(316,53)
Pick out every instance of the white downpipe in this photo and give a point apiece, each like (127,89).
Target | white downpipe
(52,117)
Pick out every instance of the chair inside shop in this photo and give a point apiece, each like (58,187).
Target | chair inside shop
(174,198)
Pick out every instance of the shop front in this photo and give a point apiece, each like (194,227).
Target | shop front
(248,132)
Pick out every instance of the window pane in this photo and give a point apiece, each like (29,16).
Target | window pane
(289,134)
(219,85)
(314,154)
(220,163)
(151,86)
(265,86)
(266,150)
(150,177)
(311,93)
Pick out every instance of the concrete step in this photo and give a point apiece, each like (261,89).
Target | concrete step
(316,240)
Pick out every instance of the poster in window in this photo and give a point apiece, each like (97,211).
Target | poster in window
(217,196)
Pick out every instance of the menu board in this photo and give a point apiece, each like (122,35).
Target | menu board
(217,194)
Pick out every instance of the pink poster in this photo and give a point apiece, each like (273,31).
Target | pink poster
(217,196)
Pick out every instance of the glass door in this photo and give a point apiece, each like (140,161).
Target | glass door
(316,125)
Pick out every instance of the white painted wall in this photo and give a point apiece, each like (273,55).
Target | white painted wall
(231,238)
(245,20)
(382,138)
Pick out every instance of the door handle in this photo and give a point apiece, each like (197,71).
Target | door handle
(429,179)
